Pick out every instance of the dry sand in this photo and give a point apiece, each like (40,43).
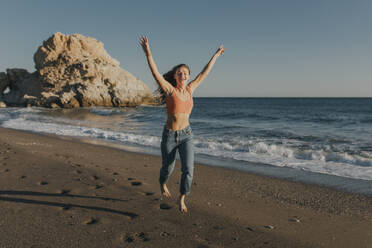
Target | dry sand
(58,192)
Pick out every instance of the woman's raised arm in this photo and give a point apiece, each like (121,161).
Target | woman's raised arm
(203,74)
(164,84)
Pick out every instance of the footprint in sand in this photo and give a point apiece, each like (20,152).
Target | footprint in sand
(203,246)
(132,237)
(42,183)
(136,183)
(270,227)
(64,191)
(98,186)
(147,193)
(91,221)
(166,234)
(66,207)
(94,178)
(165,206)
(218,227)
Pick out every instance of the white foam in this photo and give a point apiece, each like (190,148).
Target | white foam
(6,91)
(79,131)
(328,162)
(280,152)
(105,111)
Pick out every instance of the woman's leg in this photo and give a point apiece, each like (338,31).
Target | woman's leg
(168,153)
(186,150)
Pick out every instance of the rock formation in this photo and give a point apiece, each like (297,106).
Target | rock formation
(73,71)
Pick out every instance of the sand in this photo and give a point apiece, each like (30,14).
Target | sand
(61,192)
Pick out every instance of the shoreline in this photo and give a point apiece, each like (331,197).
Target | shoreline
(57,189)
(346,184)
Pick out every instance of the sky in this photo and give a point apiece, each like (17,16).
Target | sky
(274,48)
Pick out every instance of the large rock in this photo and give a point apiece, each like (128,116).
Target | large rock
(73,71)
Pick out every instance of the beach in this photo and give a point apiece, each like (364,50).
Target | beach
(62,192)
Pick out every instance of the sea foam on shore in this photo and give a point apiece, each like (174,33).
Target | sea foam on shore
(314,135)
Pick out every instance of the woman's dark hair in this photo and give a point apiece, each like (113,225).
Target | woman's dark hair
(169,76)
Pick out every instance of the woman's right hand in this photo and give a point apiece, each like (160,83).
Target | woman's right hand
(144,42)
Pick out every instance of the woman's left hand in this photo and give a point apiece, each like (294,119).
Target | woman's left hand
(220,50)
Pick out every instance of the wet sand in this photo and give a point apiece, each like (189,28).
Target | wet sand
(59,192)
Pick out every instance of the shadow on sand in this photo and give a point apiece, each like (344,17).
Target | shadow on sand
(63,205)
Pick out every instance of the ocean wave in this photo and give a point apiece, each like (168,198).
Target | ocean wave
(318,152)
(323,160)
(80,131)
(105,111)
(366,120)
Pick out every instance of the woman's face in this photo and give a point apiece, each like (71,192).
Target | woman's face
(182,75)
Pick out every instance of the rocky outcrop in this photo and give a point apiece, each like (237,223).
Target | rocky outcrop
(73,71)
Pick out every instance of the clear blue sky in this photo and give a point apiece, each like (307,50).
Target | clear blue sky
(275,48)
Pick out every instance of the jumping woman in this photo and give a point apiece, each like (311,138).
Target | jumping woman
(177,134)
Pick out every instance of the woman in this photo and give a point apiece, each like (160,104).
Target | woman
(177,134)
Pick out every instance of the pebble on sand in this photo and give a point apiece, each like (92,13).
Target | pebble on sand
(294,219)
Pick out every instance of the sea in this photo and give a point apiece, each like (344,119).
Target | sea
(317,140)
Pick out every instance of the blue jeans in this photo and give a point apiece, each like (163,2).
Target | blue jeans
(181,140)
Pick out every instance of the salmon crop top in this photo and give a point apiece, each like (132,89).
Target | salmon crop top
(175,105)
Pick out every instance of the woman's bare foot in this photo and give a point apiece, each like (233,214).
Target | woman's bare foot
(182,205)
(164,190)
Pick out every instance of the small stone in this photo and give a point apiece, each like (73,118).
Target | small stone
(269,227)
(164,234)
(294,219)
